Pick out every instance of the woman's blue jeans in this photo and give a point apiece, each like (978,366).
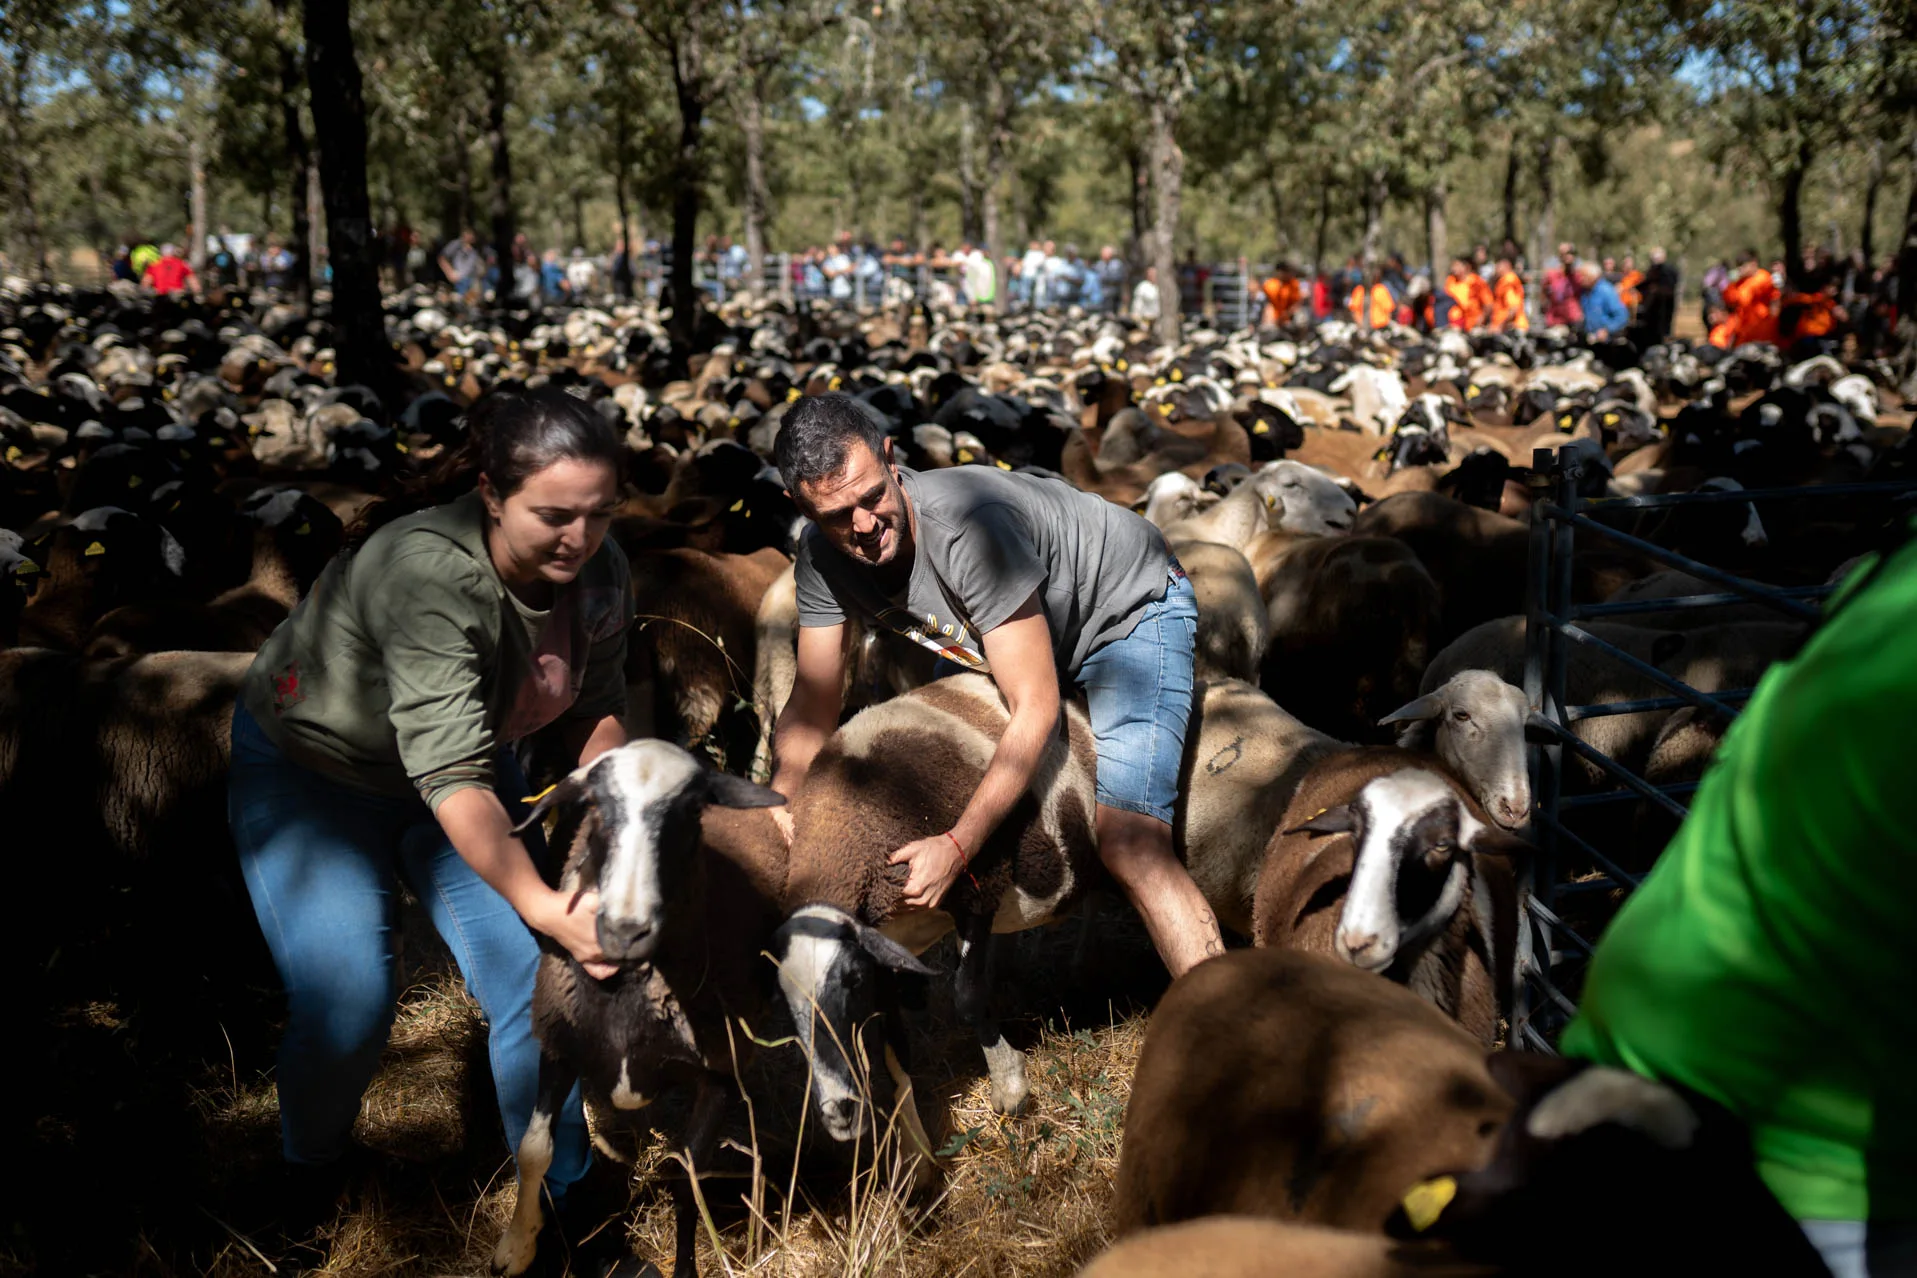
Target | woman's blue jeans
(323,863)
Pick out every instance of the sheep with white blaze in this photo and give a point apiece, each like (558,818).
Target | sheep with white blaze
(684,922)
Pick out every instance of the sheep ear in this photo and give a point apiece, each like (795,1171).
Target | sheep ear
(567,791)
(1338,820)
(1425,708)
(1601,1094)
(728,791)
(889,953)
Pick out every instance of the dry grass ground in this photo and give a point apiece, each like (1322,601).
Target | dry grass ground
(1022,1196)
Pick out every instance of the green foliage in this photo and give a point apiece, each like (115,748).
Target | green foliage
(1652,121)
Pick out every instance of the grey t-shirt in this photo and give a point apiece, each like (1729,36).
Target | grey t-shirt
(988,538)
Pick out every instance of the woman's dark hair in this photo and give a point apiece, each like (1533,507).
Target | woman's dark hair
(815,432)
(510,435)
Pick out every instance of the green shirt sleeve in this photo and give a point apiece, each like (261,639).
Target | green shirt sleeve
(434,618)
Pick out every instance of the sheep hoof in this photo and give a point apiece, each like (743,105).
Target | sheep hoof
(516,1249)
(926,1174)
(1009,1089)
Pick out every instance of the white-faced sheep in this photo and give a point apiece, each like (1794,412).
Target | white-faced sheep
(1414,881)
(686,924)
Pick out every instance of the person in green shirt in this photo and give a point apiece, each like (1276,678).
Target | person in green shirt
(1763,961)
(371,746)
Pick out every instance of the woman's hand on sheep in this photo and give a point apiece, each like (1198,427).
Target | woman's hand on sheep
(782,819)
(574,923)
(934,864)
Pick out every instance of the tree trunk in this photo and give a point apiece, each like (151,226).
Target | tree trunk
(998,137)
(1138,247)
(315,223)
(1907,284)
(298,158)
(1511,193)
(196,199)
(1547,229)
(339,124)
(622,261)
(578,219)
(1324,224)
(1281,232)
(498,93)
(757,197)
(688,174)
(969,226)
(1867,234)
(1168,180)
(22,164)
(1377,190)
(1790,216)
(1436,233)
(97,232)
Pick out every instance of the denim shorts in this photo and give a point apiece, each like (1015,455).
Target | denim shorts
(1138,692)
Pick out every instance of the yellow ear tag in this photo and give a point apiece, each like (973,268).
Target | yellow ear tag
(1610,419)
(1123,366)
(732,421)
(791,393)
(134,481)
(302,530)
(1425,1201)
(734,507)
(1565,422)
(964,455)
(402,447)
(1002,465)
(833,384)
(13,452)
(25,568)
(1270,502)
(93,548)
(534,798)
(1178,374)
(1472,390)
(1260,428)
(1158,381)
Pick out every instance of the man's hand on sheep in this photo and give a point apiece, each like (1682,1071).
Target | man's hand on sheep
(934,864)
(782,819)
(574,923)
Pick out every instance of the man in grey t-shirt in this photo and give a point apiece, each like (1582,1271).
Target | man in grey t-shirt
(1026,579)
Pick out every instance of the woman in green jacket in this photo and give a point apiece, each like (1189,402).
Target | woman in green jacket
(372,746)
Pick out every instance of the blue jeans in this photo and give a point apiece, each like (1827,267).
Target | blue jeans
(322,863)
(1138,694)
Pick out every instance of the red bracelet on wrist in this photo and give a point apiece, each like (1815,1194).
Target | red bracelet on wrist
(960,846)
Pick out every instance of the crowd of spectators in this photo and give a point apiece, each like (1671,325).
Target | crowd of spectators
(1606,298)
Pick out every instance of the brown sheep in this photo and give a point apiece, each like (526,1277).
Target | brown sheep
(1279,1084)
(1408,840)
(1354,621)
(1249,1247)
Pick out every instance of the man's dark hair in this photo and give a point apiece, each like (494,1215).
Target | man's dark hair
(814,435)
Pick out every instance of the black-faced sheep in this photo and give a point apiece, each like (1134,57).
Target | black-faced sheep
(686,924)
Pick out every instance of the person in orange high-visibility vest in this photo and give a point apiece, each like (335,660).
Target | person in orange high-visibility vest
(1371,302)
(1471,299)
(1281,294)
(1629,286)
(1507,300)
(1751,298)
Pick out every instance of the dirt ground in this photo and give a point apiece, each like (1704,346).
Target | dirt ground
(177,1152)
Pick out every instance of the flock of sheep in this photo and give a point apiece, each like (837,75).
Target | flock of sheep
(1353,511)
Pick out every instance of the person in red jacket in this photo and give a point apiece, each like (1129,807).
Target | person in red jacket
(170,273)
(1751,299)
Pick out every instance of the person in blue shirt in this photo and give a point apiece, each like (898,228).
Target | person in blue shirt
(552,277)
(1604,315)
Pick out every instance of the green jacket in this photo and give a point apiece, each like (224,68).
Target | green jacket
(409,663)
(1766,962)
